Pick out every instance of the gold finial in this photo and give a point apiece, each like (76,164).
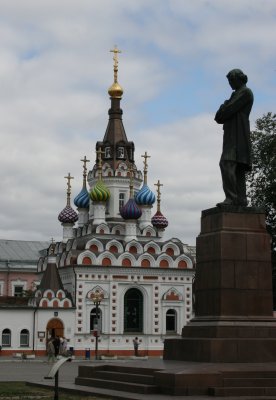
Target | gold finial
(52,246)
(145,156)
(85,161)
(116,51)
(131,190)
(99,153)
(68,177)
(115,89)
(158,184)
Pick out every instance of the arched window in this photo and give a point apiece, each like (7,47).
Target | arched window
(95,320)
(145,263)
(106,262)
(24,338)
(182,264)
(86,261)
(170,251)
(133,311)
(121,200)
(133,250)
(120,152)
(107,152)
(164,264)
(126,262)
(171,321)
(94,248)
(6,338)
(113,249)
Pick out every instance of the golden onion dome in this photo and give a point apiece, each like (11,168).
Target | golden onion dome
(115,91)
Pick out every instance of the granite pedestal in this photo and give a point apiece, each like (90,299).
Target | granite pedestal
(233,292)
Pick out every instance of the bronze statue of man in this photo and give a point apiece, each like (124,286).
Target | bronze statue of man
(236,152)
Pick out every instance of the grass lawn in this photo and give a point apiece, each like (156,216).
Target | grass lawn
(22,391)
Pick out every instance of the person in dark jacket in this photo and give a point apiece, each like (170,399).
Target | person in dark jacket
(136,345)
(56,344)
(236,153)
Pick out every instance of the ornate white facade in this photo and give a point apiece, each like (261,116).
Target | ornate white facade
(116,254)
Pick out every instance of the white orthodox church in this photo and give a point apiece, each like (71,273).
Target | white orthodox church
(112,277)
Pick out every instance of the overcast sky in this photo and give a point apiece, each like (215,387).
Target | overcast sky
(56,68)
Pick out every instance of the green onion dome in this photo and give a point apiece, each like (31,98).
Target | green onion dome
(100,192)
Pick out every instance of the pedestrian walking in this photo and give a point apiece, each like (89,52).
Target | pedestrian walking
(56,343)
(136,345)
(51,351)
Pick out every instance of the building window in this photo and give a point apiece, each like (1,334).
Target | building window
(107,152)
(95,323)
(1,288)
(121,152)
(133,311)
(18,290)
(121,200)
(24,338)
(6,338)
(171,321)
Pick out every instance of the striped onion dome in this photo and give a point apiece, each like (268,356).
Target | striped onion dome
(68,215)
(130,210)
(159,221)
(145,197)
(100,192)
(82,199)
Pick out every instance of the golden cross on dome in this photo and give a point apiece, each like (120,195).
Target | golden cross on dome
(145,156)
(158,184)
(68,177)
(85,161)
(116,51)
(52,246)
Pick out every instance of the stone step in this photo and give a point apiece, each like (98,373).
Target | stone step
(249,374)
(130,370)
(124,377)
(242,391)
(117,385)
(249,382)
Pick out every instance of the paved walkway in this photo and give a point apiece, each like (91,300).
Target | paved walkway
(34,371)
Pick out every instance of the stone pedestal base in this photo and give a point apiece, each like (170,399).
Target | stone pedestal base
(233,291)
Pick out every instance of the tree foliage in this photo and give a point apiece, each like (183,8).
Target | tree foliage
(262,178)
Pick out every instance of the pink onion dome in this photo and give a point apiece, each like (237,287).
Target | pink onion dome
(100,192)
(68,215)
(130,210)
(159,221)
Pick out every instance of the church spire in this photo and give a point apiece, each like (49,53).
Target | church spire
(115,144)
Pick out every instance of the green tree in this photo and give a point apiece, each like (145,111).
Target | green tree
(262,179)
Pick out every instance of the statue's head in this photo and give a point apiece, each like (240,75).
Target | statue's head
(236,78)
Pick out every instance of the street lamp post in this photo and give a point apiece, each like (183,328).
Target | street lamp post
(97,297)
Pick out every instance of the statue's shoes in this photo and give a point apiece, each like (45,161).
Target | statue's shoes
(226,202)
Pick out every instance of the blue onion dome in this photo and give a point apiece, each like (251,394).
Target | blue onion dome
(145,197)
(100,192)
(82,199)
(130,210)
(159,221)
(68,215)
